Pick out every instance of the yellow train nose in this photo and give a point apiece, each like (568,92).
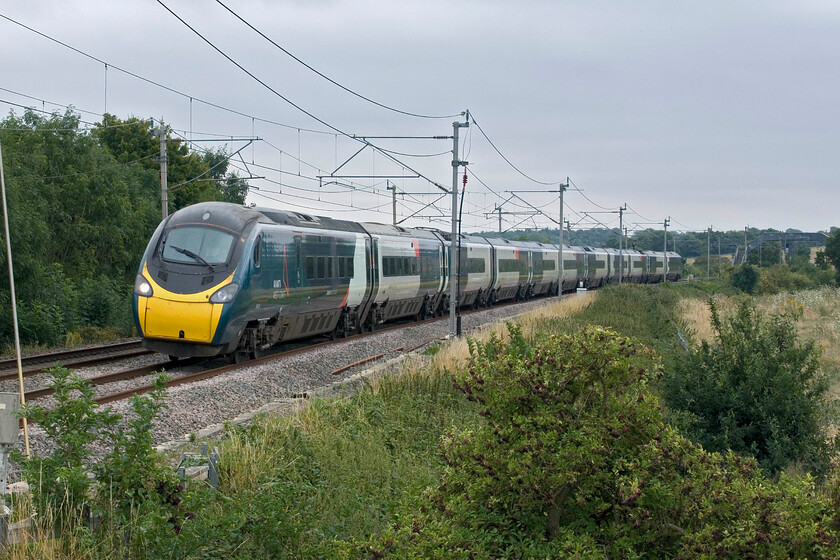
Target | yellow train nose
(187,317)
(193,322)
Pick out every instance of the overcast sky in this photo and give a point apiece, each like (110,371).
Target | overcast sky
(713,113)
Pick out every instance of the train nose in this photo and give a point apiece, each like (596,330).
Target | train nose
(187,321)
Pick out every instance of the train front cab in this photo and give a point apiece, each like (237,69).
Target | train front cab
(188,280)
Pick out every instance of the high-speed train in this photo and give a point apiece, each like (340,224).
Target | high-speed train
(221,279)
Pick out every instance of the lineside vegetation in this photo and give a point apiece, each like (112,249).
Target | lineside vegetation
(559,439)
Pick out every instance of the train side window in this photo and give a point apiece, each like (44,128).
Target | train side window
(330,269)
(406,270)
(257,251)
(322,269)
(310,267)
(350,267)
(341,267)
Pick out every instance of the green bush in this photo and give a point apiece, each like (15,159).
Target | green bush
(574,461)
(756,389)
(102,302)
(40,323)
(69,479)
(745,278)
(784,278)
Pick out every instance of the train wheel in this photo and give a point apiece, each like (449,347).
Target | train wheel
(239,355)
(256,353)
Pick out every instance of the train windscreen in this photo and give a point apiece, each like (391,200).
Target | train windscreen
(197,244)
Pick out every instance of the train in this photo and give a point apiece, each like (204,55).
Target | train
(219,279)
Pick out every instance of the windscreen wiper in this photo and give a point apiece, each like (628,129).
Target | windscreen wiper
(195,256)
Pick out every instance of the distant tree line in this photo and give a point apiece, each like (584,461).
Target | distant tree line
(82,206)
(688,244)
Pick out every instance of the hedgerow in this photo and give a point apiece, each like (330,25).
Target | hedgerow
(574,460)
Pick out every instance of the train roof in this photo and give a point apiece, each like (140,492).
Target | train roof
(304,220)
(397,231)
(225,214)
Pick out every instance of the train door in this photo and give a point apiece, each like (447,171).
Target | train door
(531,276)
(371,277)
(494,273)
(374,266)
(298,252)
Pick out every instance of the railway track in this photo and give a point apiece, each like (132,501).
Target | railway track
(39,363)
(278,381)
(211,372)
(283,353)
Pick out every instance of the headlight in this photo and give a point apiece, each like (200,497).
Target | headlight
(225,294)
(142,286)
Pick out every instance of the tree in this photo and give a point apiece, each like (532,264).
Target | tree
(832,252)
(192,177)
(745,278)
(77,216)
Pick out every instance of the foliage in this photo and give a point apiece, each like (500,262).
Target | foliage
(129,475)
(59,481)
(574,461)
(745,278)
(756,390)
(793,278)
(82,205)
(832,252)
(768,254)
(338,469)
(193,177)
(65,482)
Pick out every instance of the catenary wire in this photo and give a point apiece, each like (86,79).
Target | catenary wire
(481,130)
(162,86)
(348,90)
(284,98)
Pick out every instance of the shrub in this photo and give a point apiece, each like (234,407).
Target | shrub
(69,479)
(745,278)
(101,302)
(574,461)
(756,390)
(784,278)
(59,482)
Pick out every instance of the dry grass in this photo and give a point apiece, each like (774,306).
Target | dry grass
(698,315)
(820,322)
(456,355)
(820,316)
